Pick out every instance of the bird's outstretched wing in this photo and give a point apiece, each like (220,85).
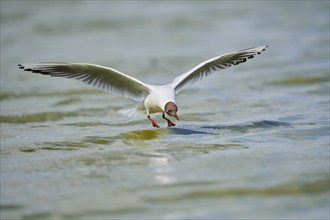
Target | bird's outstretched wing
(207,67)
(100,77)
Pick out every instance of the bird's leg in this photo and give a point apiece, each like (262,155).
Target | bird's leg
(154,124)
(169,123)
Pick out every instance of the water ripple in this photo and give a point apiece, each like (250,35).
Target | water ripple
(246,127)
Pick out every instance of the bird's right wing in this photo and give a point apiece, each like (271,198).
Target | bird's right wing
(207,67)
(98,76)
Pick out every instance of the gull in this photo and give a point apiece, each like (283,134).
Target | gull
(152,98)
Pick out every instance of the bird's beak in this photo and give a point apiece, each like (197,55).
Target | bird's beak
(176,117)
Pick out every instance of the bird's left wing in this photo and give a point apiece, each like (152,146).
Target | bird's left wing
(207,67)
(104,78)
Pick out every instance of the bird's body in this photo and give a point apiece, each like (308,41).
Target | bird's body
(154,99)
(158,97)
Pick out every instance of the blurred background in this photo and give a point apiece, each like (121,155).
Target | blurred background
(253,140)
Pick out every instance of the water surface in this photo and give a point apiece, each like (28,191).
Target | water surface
(252,142)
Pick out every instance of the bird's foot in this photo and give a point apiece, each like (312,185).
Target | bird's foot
(169,123)
(154,124)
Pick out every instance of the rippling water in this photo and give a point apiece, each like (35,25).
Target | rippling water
(253,140)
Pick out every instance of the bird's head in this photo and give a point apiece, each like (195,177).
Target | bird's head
(171,109)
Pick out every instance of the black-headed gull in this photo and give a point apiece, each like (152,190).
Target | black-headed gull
(155,98)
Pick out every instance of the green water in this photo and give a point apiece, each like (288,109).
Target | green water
(252,140)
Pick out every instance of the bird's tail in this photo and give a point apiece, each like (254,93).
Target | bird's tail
(136,111)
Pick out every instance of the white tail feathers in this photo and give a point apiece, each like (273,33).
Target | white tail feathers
(136,111)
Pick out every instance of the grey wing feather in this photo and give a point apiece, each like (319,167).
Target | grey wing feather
(207,67)
(100,77)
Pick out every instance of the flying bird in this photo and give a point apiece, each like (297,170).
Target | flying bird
(151,98)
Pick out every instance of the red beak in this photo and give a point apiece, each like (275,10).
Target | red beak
(176,117)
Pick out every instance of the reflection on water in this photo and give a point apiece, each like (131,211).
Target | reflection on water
(139,137)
